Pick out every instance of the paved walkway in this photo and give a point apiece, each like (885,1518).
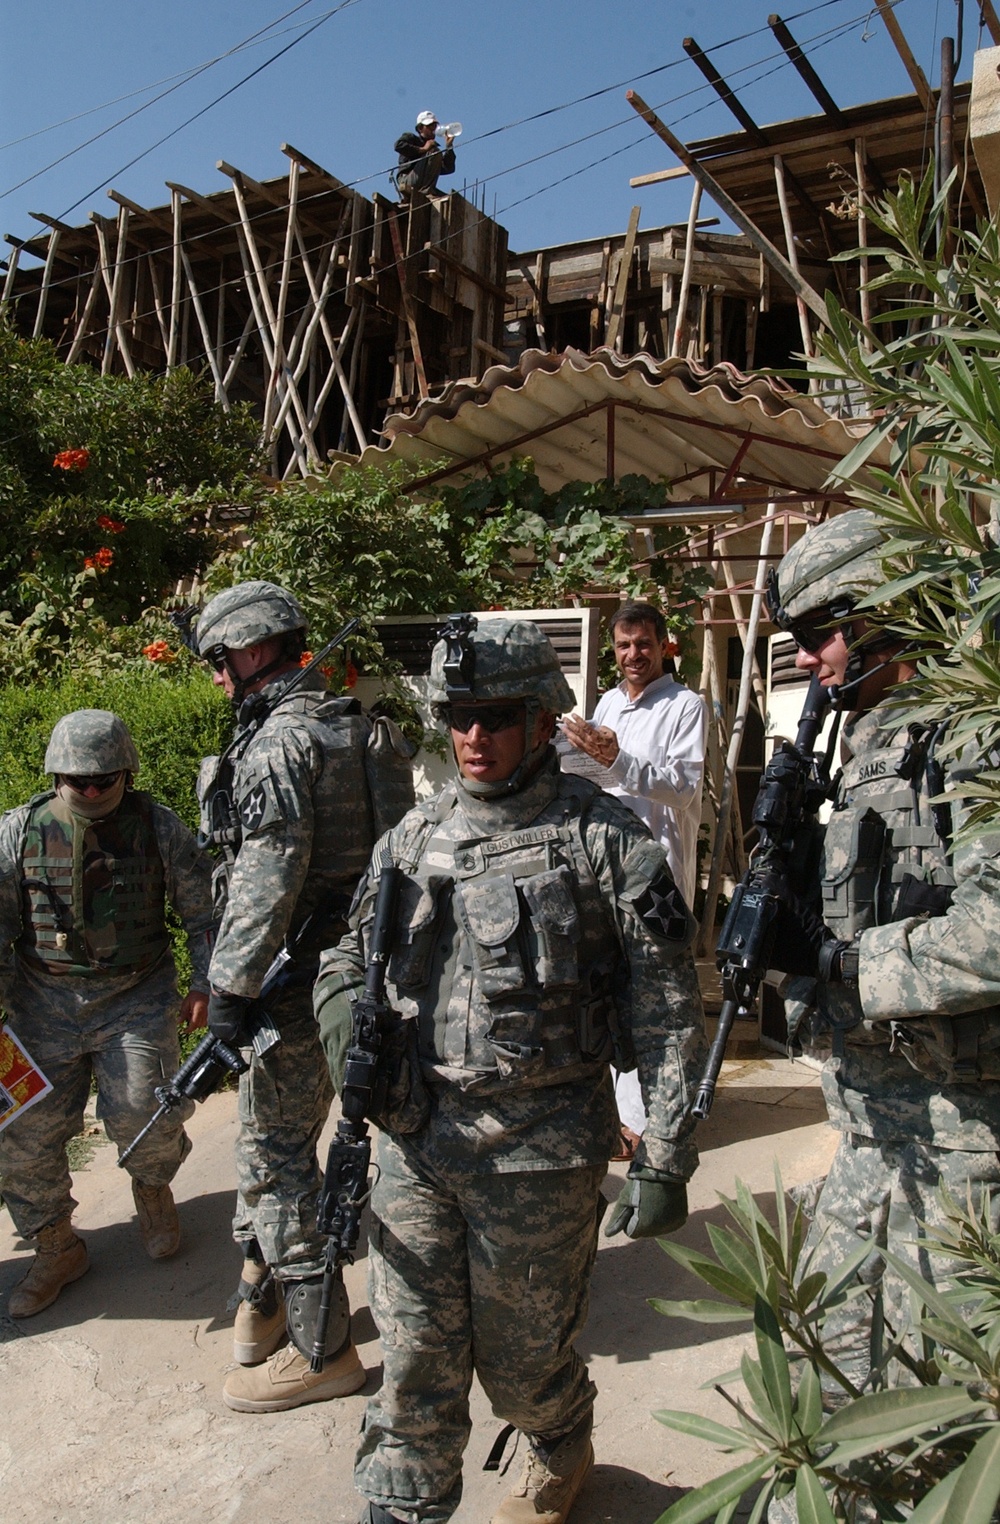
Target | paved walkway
(112,1412)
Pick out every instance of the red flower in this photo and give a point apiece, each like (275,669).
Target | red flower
(671,648)
(158,650)
(100,560)
(305,658)
(351,675)
(72,460)
(113,526)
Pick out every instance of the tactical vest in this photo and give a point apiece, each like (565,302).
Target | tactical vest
(506,949)
(93,890)
(344,824)
(885,861)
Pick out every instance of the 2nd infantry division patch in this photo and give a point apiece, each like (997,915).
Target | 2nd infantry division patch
(661,909)
(259,806)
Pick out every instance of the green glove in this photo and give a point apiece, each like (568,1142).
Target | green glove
(651,1205)
(332,1008)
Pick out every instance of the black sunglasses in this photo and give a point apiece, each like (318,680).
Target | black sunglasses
(812,633)
(80,782)
(489,717)
(216,657)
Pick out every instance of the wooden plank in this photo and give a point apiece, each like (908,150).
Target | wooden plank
(410,315)
(990,19)
(316,169)
(805,70)
(917,77)
(776,260)
(617,316)
(679,172)
(466,271)
(724,91)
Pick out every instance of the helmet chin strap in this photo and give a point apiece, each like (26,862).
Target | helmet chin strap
(241,684)
(524,769)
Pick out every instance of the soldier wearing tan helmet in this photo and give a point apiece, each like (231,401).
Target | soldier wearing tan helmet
(900,975)
(538,935)
(88,981)
(293,809)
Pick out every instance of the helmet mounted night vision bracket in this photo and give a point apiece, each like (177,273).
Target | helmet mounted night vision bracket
(460,656)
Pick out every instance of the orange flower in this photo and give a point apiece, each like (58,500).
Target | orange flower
(305,658)
(113,526)
(100,560)
(351,675)
(72,460)
(158,650)
(671,648)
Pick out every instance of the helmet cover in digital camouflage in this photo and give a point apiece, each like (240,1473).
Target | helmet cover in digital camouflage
(246,615)
(514,659)
(839,560)
(91,741)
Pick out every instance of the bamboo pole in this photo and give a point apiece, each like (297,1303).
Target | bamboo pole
(84,321)
(175,282)
(333,345)
(736,604)
(12,263)
(270,326)
(43,295)
(286,269)
(265,340)
(860,158)
(221,394)
(793,258)
(736,735)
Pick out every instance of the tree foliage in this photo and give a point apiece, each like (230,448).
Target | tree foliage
(924,1432)
(927,369)
(104,483)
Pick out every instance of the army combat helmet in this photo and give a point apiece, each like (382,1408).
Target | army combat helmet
(246,615)
(498,661)
(820,582)
(89,742)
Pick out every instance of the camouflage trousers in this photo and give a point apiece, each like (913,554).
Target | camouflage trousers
(485,1273)
(285,1099)
(885,1192)
(118,1034)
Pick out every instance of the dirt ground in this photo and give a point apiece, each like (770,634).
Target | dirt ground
(112,1411)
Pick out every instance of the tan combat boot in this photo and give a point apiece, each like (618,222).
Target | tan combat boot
(287,1382)
(552,1477)
(259,1328)
(158,1222)
(60,1258)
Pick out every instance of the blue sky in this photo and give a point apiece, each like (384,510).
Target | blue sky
(345,90)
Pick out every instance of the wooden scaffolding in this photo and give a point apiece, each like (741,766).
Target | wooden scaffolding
(299,295)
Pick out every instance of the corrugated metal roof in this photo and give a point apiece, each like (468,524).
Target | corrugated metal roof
(672,419)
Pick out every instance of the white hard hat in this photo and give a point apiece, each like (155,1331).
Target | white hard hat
(426,119)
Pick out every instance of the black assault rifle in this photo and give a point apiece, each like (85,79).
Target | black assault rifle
(345,1185)
(203,1071)
(792,789)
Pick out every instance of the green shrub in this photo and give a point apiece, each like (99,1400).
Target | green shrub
(175,721)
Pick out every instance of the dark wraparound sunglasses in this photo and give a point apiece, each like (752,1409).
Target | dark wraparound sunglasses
(80,782)
(489,717)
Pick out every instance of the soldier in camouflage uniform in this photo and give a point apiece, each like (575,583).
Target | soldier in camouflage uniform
(538,934)
(294,806)
(88,981)
(907,967)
